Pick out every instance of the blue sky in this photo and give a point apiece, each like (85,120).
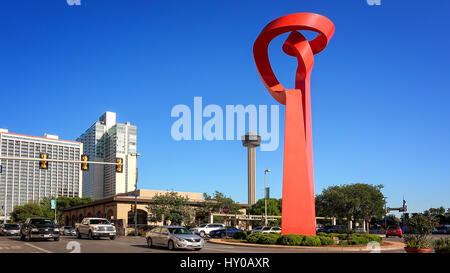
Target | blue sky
(380,90)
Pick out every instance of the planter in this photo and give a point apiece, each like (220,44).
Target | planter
(417,250)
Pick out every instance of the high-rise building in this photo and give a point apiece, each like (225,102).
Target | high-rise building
(105,141)
(24,181)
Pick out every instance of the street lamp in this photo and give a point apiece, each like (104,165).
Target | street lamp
(385,212)
(265,197)
(135,196)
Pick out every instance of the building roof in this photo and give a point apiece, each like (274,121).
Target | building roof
(50,139)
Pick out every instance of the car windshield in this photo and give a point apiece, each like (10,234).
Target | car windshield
(179,231)
(393,227)
(42,222)
(12,226)
(267,228)
(99,222)
(68,227)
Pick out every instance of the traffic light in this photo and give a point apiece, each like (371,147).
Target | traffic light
(133,208)
(43,164)
(84,166)
(119,166)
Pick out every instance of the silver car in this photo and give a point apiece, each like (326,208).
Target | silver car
(10,230)
(174,237)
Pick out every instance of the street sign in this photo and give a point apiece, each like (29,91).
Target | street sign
(267,193)
(226,209)
(53,204)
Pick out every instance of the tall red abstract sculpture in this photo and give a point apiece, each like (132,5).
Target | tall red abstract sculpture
(298,208)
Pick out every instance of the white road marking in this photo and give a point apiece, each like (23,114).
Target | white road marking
(38,248)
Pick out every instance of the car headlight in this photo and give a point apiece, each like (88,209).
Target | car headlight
(56,230)
(34,230)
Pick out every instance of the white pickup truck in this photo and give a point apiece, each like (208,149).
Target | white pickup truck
(95,228)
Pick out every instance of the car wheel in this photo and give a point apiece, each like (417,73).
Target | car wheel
(171,245)
(112,237)
(149,242)
(197,249)
(222,235)
(90,235)
(202,234)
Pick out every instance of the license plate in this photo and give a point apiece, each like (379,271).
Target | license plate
(46,235)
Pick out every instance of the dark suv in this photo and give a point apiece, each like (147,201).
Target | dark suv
(39,228)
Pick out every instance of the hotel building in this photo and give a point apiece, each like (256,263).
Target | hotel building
(24,181)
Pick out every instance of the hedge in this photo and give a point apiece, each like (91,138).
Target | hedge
(305,240)
(290,240)
(240,235)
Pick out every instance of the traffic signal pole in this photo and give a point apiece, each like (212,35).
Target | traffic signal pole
(57,160)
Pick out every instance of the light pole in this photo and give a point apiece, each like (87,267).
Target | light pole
(265,197)
(135,196)
(385,213)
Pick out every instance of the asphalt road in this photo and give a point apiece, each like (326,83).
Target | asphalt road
(138,245)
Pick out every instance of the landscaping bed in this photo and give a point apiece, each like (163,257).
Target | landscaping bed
(321,239)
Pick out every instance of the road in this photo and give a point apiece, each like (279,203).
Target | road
(138,245)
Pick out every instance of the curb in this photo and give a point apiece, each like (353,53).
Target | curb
(391,246)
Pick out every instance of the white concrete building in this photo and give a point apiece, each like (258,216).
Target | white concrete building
(24,181)
(105,141)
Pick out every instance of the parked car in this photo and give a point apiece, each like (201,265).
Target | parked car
(269,230)
(325,229)
(225,232)
(442,230)
(69,231)
(174,237)
(256,229)
(39,228)
(205,229)
(10,230)
(95,228)
(394,231)
(360,230)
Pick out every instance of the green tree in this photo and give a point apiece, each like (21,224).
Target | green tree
(273,208)
(31,209)
(171,207)
(43,208)
(354,201)
(214,204)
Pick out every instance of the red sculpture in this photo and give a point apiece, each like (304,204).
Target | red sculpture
(298,208)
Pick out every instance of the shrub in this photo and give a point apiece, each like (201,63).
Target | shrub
(443,244)
(311,241)
(263,238)
(323,234)
(269,238)
(254,237)
(343,243)
(291,240)
(326,241)
(240,235)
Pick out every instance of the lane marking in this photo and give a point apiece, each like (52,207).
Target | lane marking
(38,248)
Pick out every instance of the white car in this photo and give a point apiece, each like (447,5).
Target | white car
(205,229)
(269,230)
